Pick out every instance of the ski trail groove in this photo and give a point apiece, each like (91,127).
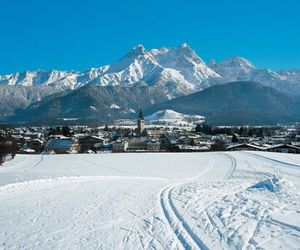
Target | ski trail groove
(184,234)
(274,168)
(179,227)
(274,160)
(233,165)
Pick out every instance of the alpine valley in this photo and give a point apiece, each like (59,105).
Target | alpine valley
(233,91)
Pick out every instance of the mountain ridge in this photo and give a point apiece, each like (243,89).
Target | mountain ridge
(92,102)
(176,71)
(237,103)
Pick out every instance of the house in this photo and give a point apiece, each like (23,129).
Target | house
(36,144)
(19,139)
(137,143)
(153,145)
(99,146)
(190,140)
(119,146)
(244,146)
(222,137)
(244,139)
(284,148)
(196,148)
(65,145)
(165,141)
(280,139)
(88,142)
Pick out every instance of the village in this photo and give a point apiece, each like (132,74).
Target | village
(147,138)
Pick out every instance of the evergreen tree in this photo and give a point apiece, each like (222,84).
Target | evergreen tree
(198,128)
(51,131)
(234,139)
(106,127)
(250,133)
(66,131)
(260,133)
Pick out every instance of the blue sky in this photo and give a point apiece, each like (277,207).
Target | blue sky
(82,34)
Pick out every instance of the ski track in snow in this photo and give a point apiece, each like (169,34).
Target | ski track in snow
(150,201)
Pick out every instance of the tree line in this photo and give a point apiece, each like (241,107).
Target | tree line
(8,146)
(241,131)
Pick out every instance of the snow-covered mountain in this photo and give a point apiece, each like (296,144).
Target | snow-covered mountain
(55,78)
(233,69)
(176,71)
(292,76)
(179,68)
(240,69)
(173,117)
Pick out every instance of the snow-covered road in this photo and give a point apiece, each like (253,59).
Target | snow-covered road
(241,200)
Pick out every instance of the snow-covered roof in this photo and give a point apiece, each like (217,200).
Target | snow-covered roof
(80,136)
(283,145)
(61,143)
(245,144)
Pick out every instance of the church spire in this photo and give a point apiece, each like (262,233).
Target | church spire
(141,115)
(140,123)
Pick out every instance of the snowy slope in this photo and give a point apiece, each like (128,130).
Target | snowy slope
(185,61)
(237,200)
(233,69)
(172,116)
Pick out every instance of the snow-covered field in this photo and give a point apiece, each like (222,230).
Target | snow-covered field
(240,200)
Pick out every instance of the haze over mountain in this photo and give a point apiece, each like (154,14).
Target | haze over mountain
(168,72)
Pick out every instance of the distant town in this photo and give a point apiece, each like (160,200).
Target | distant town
(141,136)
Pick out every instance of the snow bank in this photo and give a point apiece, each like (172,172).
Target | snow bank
(274,183)
(271,184)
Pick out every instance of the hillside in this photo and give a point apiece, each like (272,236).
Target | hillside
(237,103)
(92,103)
(173,118)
